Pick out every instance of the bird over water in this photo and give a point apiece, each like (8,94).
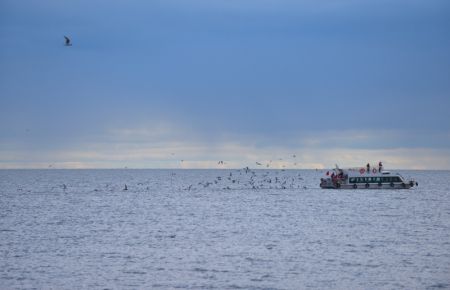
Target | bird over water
(68,42)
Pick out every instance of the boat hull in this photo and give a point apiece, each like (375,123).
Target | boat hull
(368,186)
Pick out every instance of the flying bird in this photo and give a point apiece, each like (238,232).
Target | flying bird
(68,43)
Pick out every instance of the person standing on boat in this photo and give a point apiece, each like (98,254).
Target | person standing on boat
(333,178)
(380,166)
(368,168)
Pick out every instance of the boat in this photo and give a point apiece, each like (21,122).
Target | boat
(365,178)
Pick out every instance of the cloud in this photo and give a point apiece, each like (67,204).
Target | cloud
(165,145)
(193,156)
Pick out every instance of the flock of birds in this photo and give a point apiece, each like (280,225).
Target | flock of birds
(237,179)
(247,178)
(266,175)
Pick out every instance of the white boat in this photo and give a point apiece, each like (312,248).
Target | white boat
(365,177)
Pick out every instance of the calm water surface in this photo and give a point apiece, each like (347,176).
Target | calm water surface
(194,229)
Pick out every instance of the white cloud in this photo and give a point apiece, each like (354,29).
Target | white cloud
(234,156)
(164,145)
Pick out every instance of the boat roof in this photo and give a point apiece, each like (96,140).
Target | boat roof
(362,171)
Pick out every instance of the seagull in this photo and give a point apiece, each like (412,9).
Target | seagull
(125,188)
(257,163)
(67,41)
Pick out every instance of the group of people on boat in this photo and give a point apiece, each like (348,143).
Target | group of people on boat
(380,167)
(338,176)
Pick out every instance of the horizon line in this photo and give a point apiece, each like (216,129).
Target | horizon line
(240,168)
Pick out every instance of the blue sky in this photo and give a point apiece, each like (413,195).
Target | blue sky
(148,83)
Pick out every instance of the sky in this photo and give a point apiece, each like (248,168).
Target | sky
(147,84)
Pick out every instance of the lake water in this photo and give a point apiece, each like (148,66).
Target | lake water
(194,229)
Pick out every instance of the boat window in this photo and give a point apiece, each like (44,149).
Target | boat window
(352,180)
